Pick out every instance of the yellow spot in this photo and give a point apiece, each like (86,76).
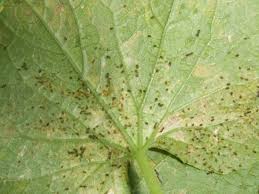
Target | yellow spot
(1,8)
(201,71)
(179,136)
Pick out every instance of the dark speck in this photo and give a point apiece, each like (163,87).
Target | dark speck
(24,66)
(3,86)
(189,54)
(198,33)
(160,104)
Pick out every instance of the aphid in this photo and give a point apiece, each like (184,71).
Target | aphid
(210,172)
(198,33)
(237,55)
(3,86)
(24,66)
(189,54)
(92,137)
(161,130)
(83,186)
(109,155)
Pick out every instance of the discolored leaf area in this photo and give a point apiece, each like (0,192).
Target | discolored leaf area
(89,86)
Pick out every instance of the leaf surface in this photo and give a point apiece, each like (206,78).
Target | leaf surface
(83,83)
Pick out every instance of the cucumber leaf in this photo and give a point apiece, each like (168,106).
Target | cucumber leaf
(86,83)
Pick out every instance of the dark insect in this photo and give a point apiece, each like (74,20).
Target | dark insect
(161,130)
(198,33)
(24,66)
(160,104)
(189,54)
(3,86)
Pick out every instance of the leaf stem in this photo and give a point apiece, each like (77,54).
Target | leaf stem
(147,172)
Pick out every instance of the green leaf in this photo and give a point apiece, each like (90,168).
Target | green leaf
(87,87)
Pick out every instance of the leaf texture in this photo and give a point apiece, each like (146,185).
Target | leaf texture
(85,82)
